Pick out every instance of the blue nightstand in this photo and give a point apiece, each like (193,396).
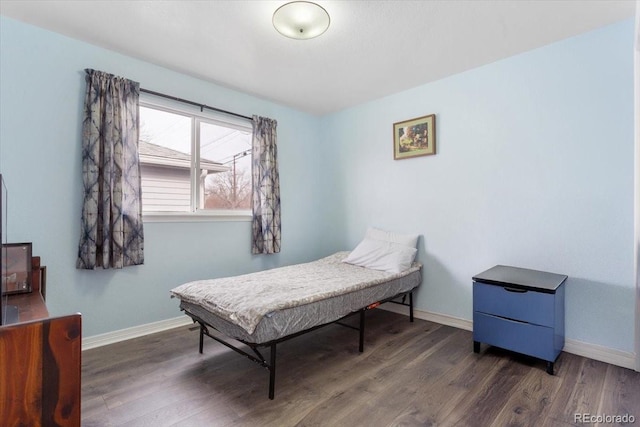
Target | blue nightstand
(520,310)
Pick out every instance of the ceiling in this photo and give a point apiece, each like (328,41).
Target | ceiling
(372,48)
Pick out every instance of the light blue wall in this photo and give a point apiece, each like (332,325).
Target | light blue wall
(42,90)
(534,169)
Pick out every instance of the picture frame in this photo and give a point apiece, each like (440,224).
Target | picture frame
(414,137)
(17,274)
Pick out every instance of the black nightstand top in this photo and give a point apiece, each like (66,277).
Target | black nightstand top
(521,278)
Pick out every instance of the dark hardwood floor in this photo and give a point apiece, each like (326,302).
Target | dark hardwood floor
(410,374)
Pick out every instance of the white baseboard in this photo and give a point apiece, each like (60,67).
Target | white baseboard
(580,348)
(603,354)
(134,332)
(443,319)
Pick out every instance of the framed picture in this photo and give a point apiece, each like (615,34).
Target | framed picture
(414,137)
(17,274)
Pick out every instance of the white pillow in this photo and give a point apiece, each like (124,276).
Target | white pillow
(410,240)
(381,255)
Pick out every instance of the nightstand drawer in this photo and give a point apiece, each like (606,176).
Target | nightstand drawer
(526,338)
(518,304)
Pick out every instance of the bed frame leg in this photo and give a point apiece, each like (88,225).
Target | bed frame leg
(361,348)
(410,306)
(201,338)
(272,372)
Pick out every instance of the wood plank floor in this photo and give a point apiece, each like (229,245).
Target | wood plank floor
(410,374)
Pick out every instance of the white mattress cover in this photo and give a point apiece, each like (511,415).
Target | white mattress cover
(246,299)
(282,323)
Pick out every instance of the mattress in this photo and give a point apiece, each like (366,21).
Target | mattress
(261,307)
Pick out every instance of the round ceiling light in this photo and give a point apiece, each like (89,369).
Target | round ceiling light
(301,20)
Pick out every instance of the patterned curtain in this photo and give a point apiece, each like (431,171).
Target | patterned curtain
(111,234)
(266,188)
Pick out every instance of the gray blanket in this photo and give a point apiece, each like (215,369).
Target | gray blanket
(244,300)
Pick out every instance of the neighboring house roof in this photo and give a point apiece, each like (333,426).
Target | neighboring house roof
(157,155)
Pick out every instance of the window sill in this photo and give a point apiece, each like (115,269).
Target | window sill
(200,216)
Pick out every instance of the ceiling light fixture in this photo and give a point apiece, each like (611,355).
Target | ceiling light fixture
(301,20)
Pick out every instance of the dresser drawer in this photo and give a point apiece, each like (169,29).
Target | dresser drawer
(525,338)
(523,305)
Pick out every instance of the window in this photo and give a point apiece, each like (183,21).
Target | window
(193,162)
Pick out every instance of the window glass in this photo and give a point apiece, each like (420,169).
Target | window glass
(193,162)
(229,187)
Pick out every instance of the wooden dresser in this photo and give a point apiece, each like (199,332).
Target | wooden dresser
(40,363)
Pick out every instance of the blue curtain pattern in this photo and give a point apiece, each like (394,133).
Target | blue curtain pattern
(111,228)
(266,188)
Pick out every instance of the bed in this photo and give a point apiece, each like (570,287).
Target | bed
(266,308)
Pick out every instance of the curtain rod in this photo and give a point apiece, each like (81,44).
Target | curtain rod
(186,101)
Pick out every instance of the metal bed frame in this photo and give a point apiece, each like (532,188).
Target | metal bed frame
(270,365)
